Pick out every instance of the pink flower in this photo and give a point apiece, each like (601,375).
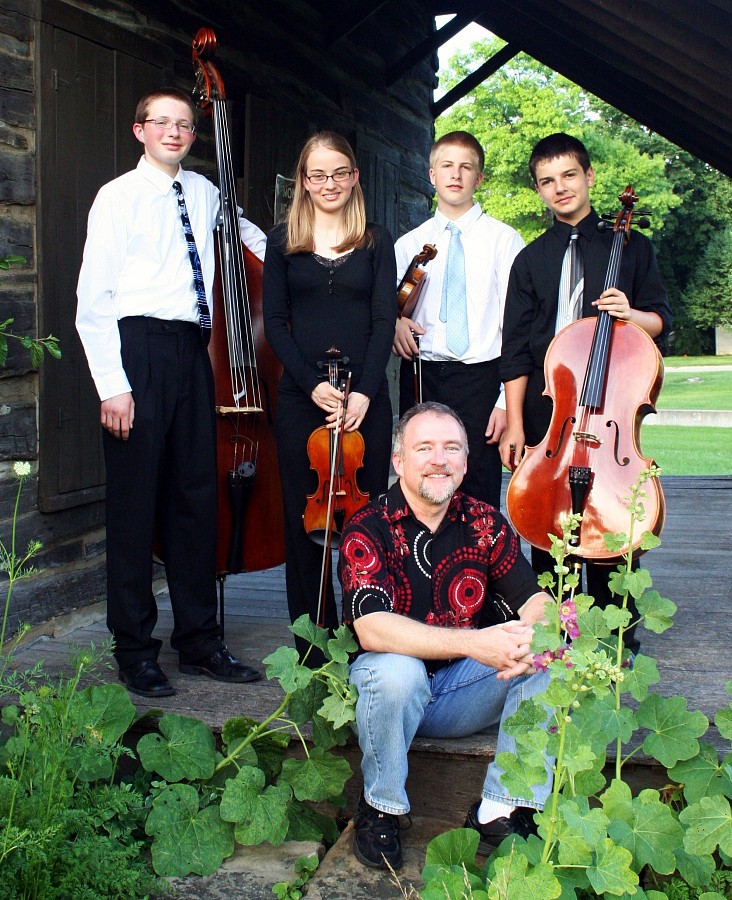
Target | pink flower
(542,660)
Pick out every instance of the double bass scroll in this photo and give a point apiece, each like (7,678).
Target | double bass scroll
(246,371)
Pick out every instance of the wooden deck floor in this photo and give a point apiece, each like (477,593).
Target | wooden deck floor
(692,567)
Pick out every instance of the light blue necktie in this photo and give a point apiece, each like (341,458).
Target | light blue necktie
(454,306)
(204,316)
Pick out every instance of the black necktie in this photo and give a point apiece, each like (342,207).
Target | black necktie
(204,316)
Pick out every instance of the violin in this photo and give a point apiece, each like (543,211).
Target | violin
(246,371)
(603,376)
(411,285)
(335,455)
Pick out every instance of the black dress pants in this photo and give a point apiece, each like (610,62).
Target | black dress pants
(472,391)
(163,477)
(297,417)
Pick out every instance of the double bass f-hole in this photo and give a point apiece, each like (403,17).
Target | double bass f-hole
(335,455)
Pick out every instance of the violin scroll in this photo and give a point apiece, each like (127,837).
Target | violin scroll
(410,287)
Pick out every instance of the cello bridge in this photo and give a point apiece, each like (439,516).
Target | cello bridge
(586,437)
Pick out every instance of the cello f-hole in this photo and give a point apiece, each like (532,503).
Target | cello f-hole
(551,454)
(611,423)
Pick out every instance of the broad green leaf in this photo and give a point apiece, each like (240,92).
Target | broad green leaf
(3,349)
(723,721)
(307,824)
(307,700)
(708,825)
(695,868)
(592,625)
(528,717)
(617,801)
(106,710)
(442,882)
(611,873)
(643,674)
(453,848)
(259,813)
(339,710)
(617,723)
(545,637)
(652,836)
(649,541)
(701,776)
(577,755)
(657,611)
(634,583)
(518,777)
(305,628)
(342,645)
(318,777)
(284,665)
(615,617)
(675,729)
(184,749)
(36,355)
(185,839)
(514,880)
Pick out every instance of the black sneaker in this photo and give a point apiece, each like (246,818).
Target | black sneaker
(520,822)
(376,842)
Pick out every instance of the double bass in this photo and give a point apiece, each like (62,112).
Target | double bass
(246,371)
(603,376)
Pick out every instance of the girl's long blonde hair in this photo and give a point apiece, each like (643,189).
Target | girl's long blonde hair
(301,217)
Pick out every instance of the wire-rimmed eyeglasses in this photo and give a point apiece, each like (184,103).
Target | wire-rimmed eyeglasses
(338,176)
(162,122)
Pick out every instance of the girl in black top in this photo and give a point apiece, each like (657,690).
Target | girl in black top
(329,280)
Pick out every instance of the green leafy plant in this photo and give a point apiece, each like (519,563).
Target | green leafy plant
(598,839)
(305,866)
(71,826)
(35,346)
(253,789)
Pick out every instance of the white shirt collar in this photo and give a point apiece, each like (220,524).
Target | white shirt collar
(464,223)
(157,177)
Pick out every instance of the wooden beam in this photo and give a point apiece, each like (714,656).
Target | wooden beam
(474,79)
(427,46)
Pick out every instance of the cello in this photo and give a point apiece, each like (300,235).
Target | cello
(590,455)
(246,371)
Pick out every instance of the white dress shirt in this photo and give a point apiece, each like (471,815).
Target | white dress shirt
(136,261)
(490,248)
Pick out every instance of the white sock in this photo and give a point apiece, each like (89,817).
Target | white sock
(493,809)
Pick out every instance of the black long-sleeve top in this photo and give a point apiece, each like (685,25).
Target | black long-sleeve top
(531,303)
(308,307)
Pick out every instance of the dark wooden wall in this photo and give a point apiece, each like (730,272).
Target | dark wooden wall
(70,74)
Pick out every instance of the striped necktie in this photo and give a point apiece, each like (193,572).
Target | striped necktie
(204,316)
(454,307)
(571,283)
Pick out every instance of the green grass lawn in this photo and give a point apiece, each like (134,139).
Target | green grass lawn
(673,361)
(696,390)
(688,450)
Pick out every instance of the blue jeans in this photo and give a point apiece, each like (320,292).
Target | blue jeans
(398,699)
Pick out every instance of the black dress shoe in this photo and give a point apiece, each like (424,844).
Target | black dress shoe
(519,823)
(147,679)
(221,666)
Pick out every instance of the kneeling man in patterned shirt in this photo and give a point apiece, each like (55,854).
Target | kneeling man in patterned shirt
(442,604)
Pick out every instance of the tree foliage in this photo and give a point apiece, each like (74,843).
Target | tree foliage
(690,202)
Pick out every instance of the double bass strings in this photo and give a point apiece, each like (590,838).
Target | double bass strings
(240,333)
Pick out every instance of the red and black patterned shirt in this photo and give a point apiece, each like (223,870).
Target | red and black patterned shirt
(469,574)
